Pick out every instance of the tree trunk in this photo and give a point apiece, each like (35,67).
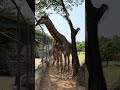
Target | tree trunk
(96,79)
(75,60)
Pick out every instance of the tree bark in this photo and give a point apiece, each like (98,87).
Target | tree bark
(96,79)
(75,60)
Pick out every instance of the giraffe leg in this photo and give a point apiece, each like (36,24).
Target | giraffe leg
(61,63)
(58,63)
(54,59)
(51,61)
(65,63)
(68,63)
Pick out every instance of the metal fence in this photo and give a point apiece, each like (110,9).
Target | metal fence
(16,52)
(42,58)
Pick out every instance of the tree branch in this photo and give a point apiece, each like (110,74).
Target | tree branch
(101,11)
(89,4)
(73,31)
(69,21)
(58,2)
(67,15)
(64,8)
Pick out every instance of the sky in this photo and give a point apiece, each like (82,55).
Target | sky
(77,16)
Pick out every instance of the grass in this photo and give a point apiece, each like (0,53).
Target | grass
(81,56)
(111,72)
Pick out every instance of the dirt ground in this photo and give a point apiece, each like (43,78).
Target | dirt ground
(6,83)
(54,81)
(37,62)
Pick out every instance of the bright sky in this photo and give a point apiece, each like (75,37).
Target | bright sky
(77,16)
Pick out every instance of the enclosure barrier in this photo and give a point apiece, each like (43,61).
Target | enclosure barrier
(17,61)
(43,57)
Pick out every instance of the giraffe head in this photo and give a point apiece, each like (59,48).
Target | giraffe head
(42,20)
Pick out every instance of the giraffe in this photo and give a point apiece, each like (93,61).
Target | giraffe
(54,53)
(57,56)
(63,43)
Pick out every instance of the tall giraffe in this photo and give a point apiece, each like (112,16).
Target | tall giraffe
(63,43)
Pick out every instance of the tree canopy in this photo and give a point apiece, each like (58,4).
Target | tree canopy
(42,6)
(109,46)
(8,10)
(80,46)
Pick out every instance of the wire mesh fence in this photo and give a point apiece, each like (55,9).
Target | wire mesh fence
(42,57)
(16,48)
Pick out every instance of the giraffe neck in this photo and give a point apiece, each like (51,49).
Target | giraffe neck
(56,35)
(53,31)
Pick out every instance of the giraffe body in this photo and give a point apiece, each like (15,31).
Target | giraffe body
(57,57)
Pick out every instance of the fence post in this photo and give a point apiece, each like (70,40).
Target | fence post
(18,52)
(27,69)
(48,53)
(42,50)
(46,48)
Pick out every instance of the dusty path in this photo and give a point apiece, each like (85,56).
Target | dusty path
(52,81)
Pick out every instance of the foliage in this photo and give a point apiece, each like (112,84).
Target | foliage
(8,10)
(109,47)
(43,6)
(39,35)
(81,56)
(80,46)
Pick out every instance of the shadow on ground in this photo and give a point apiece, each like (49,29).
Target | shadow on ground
(54,81)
